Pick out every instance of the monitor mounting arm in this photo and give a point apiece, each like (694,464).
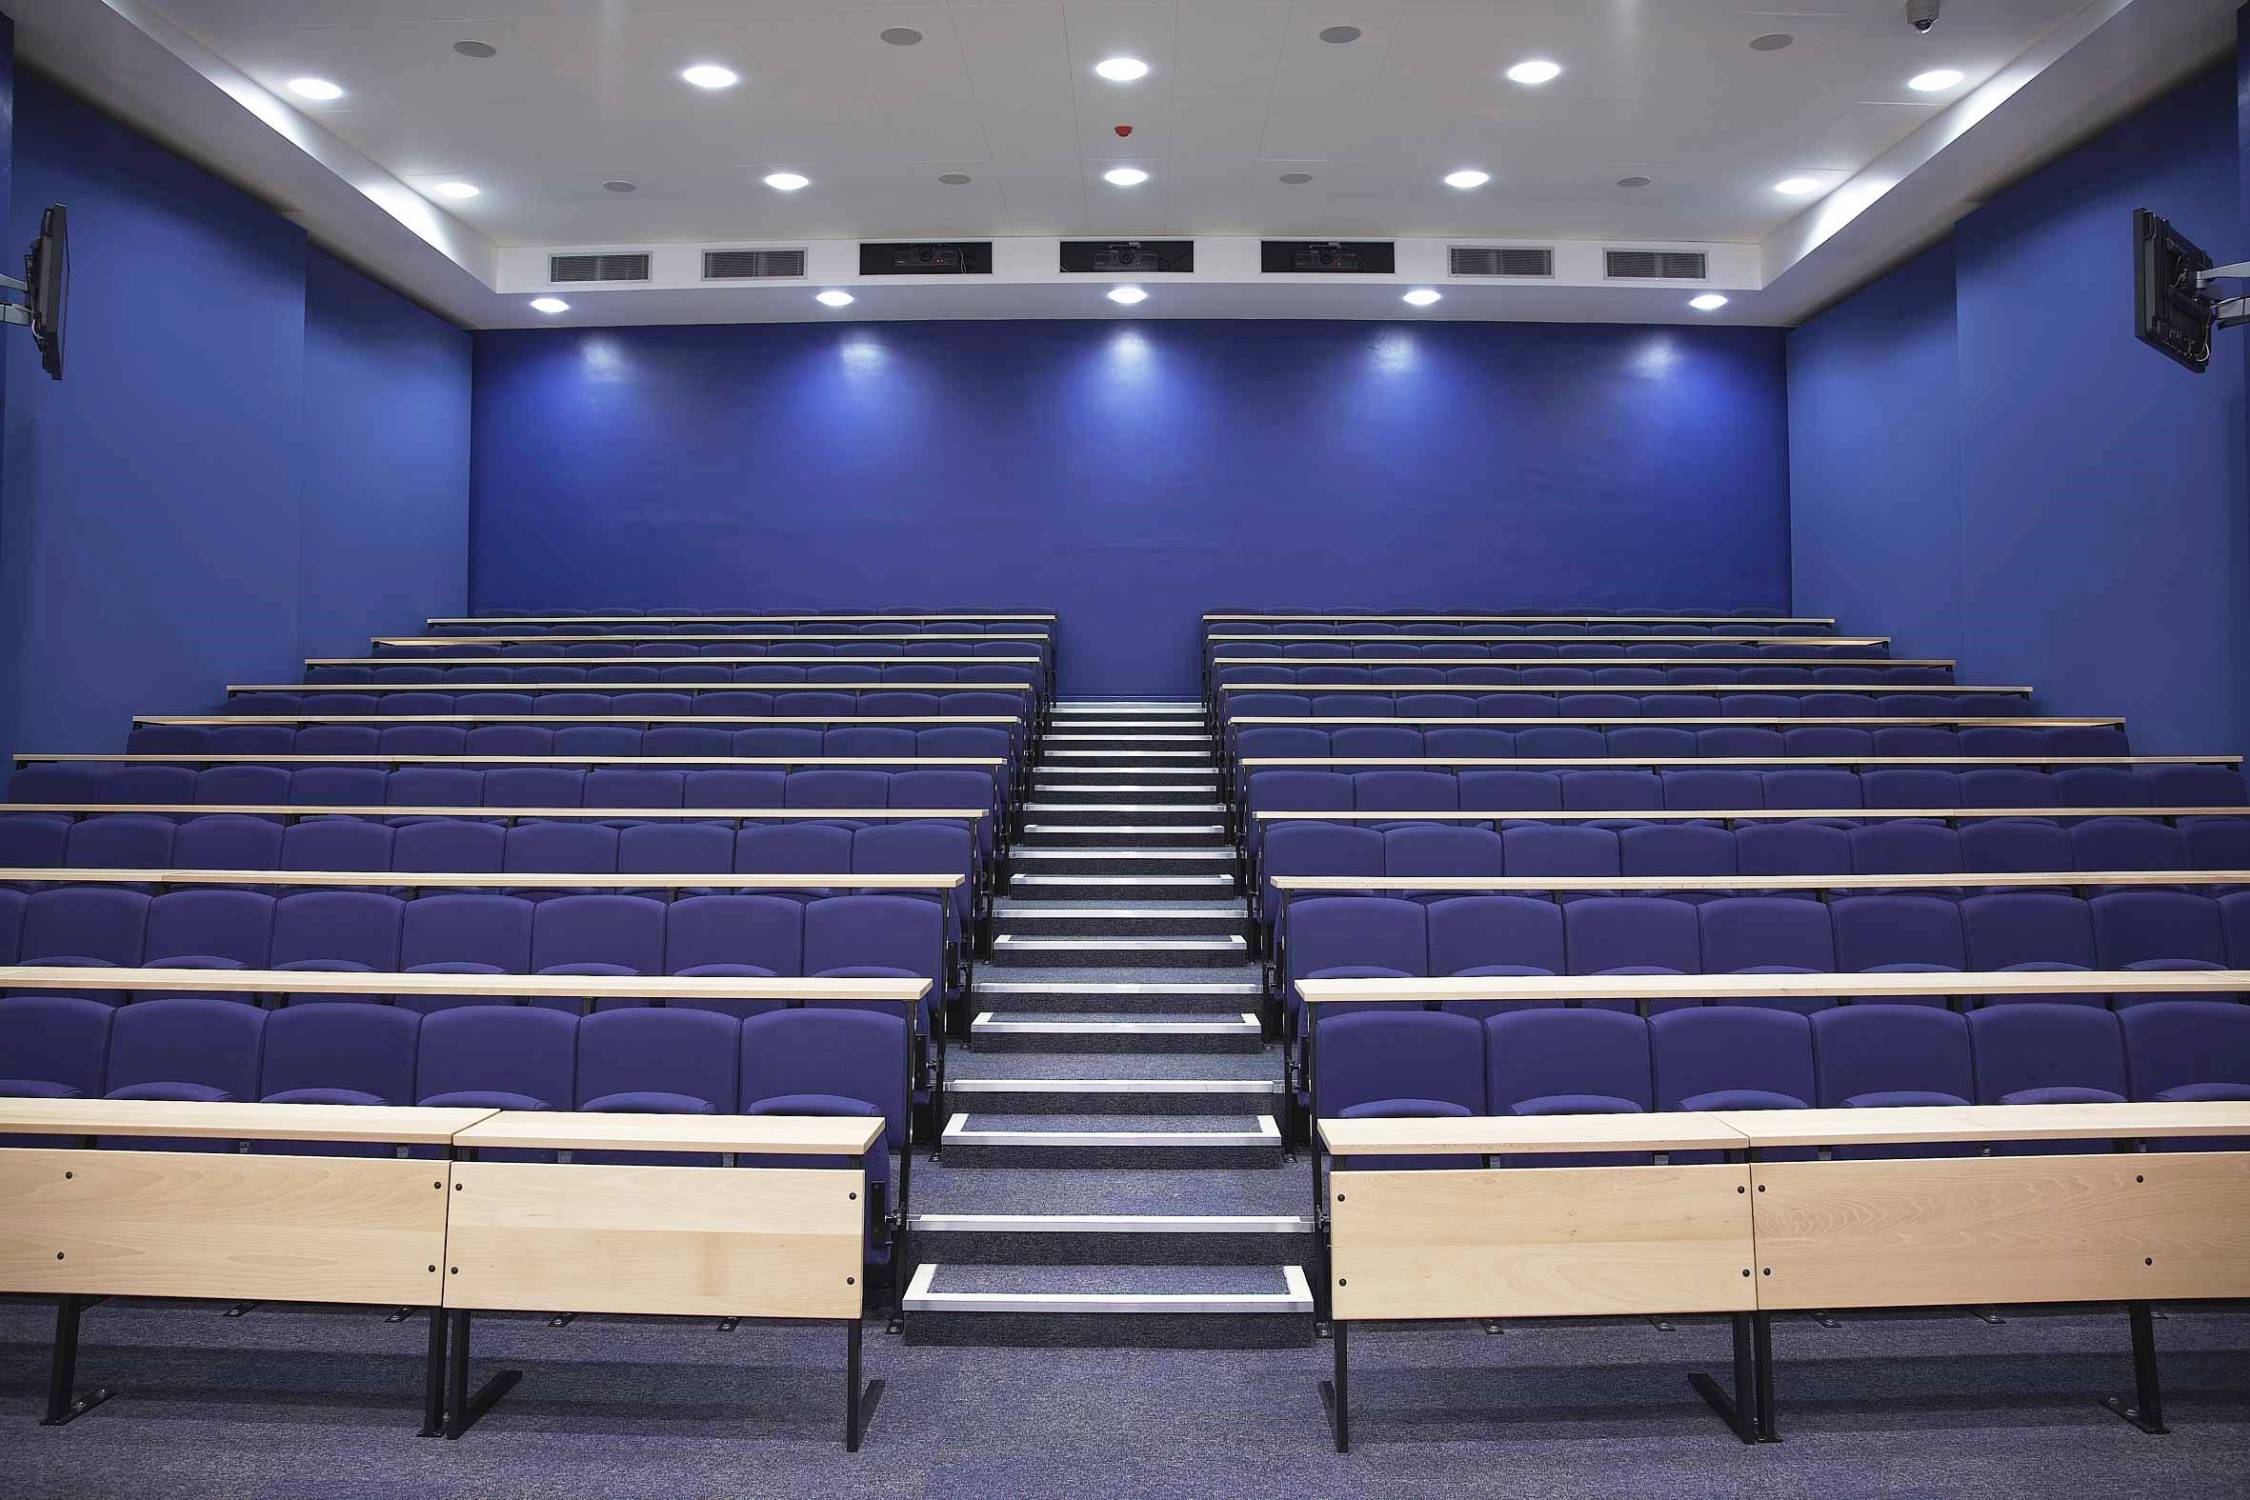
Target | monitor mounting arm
(2226,312)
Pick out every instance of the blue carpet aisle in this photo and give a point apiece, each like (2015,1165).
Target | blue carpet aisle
(1111,1172)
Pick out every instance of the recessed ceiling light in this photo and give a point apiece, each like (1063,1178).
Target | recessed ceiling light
(549,305)
(954,179)
(833,298)
(1128,295)
(1936,81)
(1772,41)
(476,49)
(1634,181)
(900,36)
(787,182)
(319,89)
(1797,187)
(1535,70)
(1121,69)
(1125,176)
(457,189)
(711,76)
(1421,296)
(1339,35)
(1467,177)
(1708,302)
(1296,179)
(619,185)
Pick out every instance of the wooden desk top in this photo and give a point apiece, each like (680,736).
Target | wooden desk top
(1488,1135)
(779,1135)
(1817,642)
(1823,721)
(302,810)
(478,879)
(1448,663)
(735,635)
(209,758)
(498,986)
(278,1122)
(668,661)
(1758,814)
(2096,1124)
(1433,616)
(615,689)
(1772,986)
(1628,762)
(1495,884)
(705,720)
(721,619)
(1799,689)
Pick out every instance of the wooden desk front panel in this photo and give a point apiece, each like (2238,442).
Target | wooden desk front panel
(193,1224)
(754,1242)
(1549,1242)
(1970,1230)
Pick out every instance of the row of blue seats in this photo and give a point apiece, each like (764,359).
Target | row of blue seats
(1502,790)
(832,1062)
(480,932)
(1717,673)
(569,700)
(1419,1064)
(1363,936)
(570,625)
(900,742)
(709,672)
(718,651)
(1740,703)
(1588,625)
(1720,652)
(1487,742)
(225,841)
(1905,846)
(80,783)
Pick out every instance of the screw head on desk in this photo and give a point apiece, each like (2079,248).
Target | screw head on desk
(2149,1260)
(453,1270)
(58,1255)
(433,1270)
(1766,1271)
(854,1197)
(439,1185)
(1745,1270)
(68,1175)
(851,1281)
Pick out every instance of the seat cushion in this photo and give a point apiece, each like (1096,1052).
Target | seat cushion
(324,1096)
(484,1099)
(1902,1099)
(1577,1104)
(36,1088)
(2062,1093)
(1743,1099)
(2205,1093)
(649,1102)
(1405,1109)
(174,1093)
(814,1104)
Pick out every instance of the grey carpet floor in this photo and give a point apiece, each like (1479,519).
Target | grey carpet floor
(323,1402)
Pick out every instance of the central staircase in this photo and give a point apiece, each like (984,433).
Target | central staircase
(1112,1171)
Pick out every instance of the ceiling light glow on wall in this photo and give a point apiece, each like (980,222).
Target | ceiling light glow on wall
(1421,296)
(1796,187)
(1708,302)
(1127,295)
(1466,178)
(1936,81)
(1535,70)
(457,189)
(833,298)
(1125,176)
(549,305)
(1121,69)
(787,182)
(319,90)
(711,76)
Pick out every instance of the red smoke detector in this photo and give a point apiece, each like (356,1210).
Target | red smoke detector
(1122,130)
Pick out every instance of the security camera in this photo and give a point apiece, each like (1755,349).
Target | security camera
(1923,14)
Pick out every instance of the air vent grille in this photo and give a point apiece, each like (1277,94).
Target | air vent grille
(626,267)
(1501,260)
(1655,265)
(751,265)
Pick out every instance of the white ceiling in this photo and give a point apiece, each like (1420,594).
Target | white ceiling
(1239,92)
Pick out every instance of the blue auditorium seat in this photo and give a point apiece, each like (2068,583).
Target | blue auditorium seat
(1889,1056)
(1568,1062)
(1400,1063)
(2047,1054)
(2188,1050)
(597,934)
(52,1047)
(184,1050)
(497,1057)
(1632,935)
(338,1054)
(675,1062)
(849,1063)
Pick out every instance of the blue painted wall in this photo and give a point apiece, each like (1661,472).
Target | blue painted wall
(2096,540)
(175,506)
(1131,475)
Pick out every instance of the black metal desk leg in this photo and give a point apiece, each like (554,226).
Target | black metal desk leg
(1761,1358)
(462,1409)
(433,1377)
(62,1374)
(859,1404)
(1336,1394)
(1739,1408)
(2146,1409)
